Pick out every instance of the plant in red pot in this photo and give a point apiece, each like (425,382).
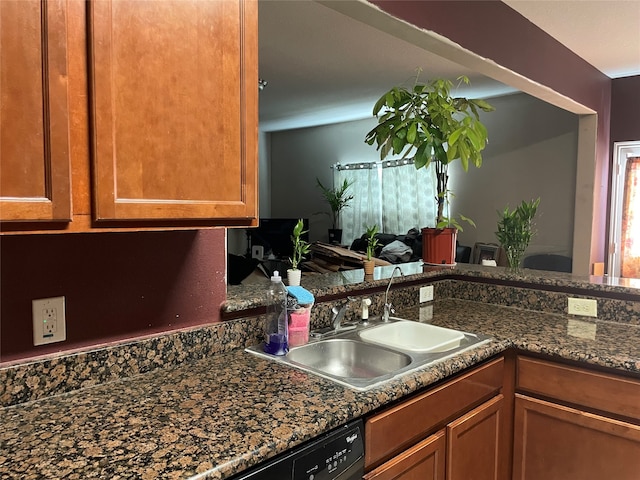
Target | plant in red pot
(437,128)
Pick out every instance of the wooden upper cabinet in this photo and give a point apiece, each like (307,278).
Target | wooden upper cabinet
(174,109)
(35,181)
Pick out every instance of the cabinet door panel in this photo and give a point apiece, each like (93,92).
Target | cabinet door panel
(424,461)
(474,445)
(395,428)
(555,442)
(174,91)
(35,183)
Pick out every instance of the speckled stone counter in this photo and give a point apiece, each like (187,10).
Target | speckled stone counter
(216,416)
(244,297)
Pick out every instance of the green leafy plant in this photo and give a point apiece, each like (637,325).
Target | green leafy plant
(337,198)
(516,229)
(372,241)
(437,128)
(300,246)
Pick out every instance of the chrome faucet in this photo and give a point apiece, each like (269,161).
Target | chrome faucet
(388,308)
(338,314)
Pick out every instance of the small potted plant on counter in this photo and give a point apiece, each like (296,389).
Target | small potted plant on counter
(515,231)
(437,128)
(372,243)
(338,200)
(300,249)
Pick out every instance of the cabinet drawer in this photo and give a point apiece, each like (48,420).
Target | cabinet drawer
(424,460)
(601,391)
(394,429)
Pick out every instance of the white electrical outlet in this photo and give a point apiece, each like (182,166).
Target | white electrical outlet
(587,307)
(426,294)
(48,320)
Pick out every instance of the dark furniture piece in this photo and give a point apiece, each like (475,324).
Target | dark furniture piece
(548,261)
(413,239)
(274,234)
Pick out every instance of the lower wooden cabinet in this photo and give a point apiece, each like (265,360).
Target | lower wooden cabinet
(452,432)
(474,443)
(556,442)
(423,461)
(562,423)
(469,448)
(575,423)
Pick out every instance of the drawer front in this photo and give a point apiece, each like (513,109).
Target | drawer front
(601,391)
(398,427)
(424,461)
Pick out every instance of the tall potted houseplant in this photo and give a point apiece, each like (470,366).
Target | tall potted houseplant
(338,199)
(300,249)
(437,128)
(515,231)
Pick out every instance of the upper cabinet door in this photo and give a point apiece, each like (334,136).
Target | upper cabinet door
(35,182)
(174,100)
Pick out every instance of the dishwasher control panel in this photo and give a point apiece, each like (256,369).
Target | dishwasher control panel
(333,458)
(337,455)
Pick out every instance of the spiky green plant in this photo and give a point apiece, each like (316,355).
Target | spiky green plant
(516,229)
(300,246)
(337,199)
(372,241)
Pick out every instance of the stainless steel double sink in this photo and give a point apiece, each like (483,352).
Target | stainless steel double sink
(367,355)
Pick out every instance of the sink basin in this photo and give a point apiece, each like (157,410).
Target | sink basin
(345,358)
(367,356)
(414,336)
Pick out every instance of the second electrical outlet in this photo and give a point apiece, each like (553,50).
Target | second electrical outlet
(426,294)
(587,307)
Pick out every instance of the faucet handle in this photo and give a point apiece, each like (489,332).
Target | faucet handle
(388,308)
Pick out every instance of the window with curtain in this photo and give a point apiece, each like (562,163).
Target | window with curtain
(624,215)
(391,194)
(364,209)
(630,236)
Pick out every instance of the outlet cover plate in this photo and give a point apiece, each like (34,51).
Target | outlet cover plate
(587,307)
(426,294)
(49,324)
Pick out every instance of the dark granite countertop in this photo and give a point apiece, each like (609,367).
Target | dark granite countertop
(244,297)
(217,416)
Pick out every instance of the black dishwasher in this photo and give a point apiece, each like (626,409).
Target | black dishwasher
(337,455)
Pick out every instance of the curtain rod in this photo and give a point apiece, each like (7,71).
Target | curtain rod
(369,165)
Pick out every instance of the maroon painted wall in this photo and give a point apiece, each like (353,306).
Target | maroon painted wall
(494,30)
(117,285)
(625,109)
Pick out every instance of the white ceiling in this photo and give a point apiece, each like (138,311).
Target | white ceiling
(324,67)
(606,33)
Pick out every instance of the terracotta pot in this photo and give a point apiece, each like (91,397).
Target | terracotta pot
(293,277)
(369,266)
(439,245)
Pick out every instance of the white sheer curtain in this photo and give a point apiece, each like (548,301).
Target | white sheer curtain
(393,195)
(408,198)
(365,208)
